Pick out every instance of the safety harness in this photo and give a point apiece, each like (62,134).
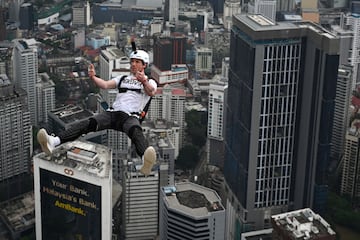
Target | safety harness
(141,115)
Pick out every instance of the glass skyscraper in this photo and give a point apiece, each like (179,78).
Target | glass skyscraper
(282,82)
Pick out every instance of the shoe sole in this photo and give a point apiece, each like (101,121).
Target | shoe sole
(149,161)
(42,139)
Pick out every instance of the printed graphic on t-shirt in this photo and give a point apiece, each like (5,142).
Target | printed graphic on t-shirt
(131,83)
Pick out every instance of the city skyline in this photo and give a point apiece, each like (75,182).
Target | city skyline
(278,91)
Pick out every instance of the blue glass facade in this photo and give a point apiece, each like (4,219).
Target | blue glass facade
(280,106)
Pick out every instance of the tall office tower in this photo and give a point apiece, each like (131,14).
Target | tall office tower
(81,14)
(286,5)
(171,11)
(341,112)
(267,8)
(301,224)
(216,123)
(2,23)
(139,203)
(25,65)
(45,88)
(218,6)
(26,16)
(351,171)
(355,6)
(351,22)
(279,113)
(309,10)
(15,133)
(169,104)
(14,8)
(231,7)
(73,192)
(169,50)
(192,212)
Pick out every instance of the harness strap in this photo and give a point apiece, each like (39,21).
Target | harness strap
(141,115)
(122,89)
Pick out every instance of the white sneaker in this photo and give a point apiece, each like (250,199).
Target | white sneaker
(149,159)
(46,141)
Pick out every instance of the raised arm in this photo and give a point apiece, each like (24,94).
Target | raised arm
(101,83)
(148,88)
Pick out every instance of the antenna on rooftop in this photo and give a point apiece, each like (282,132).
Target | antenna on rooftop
(133,45)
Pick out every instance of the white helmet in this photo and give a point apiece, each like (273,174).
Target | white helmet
(140,54)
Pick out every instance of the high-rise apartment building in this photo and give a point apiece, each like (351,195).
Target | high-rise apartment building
(171,11)
(73,192)
(169,104)
(15,133)
(267,8)
(351,22)
(25,71)
(341,112)
(216,122)
(281,96)
(140,197)
(45,89)
(351,162)
(192,212)
(81,14)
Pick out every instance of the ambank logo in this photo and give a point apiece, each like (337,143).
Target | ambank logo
(68,171)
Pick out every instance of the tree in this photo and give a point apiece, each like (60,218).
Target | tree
(196,127)
(188,157)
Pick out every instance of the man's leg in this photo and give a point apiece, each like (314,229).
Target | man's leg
(49,142)
(147,153)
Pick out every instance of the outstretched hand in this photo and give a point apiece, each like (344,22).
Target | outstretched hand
(91,71)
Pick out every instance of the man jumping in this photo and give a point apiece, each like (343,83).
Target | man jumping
(135,91)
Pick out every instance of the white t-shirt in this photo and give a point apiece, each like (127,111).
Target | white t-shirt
(131,101)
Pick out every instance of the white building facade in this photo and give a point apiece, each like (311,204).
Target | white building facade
(73,192)
(191,211)
(25,70)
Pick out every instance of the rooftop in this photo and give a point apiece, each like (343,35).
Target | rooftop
(90,158)
(192,199)
(302,224)
(71,113)
(19,213)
